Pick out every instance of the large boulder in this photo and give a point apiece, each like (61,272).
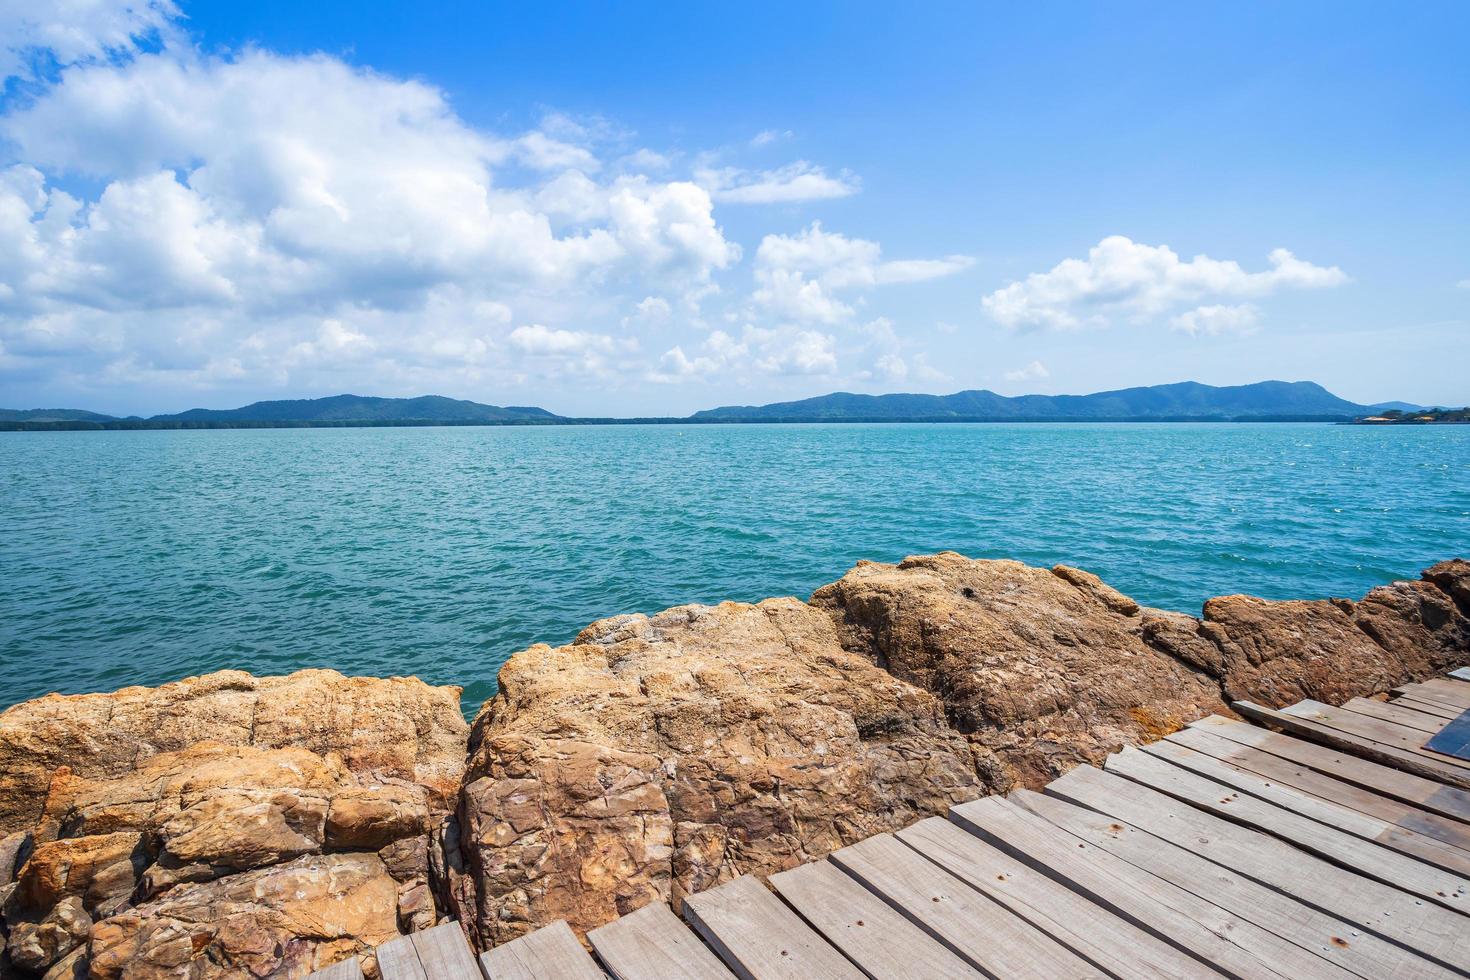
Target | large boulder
(285,920)
(141,807)
(658,756)
(1043,668)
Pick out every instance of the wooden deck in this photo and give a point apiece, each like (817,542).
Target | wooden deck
(1319,841)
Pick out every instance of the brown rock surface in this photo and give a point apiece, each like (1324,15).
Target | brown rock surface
(36,946)
(398,727)
(1046,669)
(285,920)
(153,802)
(658,756)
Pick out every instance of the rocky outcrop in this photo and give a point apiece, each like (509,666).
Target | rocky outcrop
(658,756)
(275,799)
(229,825)
(1044,669)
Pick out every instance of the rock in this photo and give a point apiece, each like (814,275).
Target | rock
(36,946)
(14,849)
(399,728)
(370,817)
(285,920)
(1453,577)
(1043,669)
(657,756)
(101,870)
(72,966)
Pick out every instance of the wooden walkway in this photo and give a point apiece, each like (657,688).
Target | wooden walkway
(1319,842)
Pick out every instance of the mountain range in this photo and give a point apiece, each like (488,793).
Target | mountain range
(1186,401)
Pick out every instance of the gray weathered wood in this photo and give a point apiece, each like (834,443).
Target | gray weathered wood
(984,934)
(445,954)
(1421,693)
(1081,925)
(864,927)
(1383,732)
(1373,860)
(1459,673)
(399,960)
(1432,795)
(1418,764)
(651,944)
(1454,692)
(1299,927)
(1309,780)
(1329,812)
(1432,930)
(1442,711)
(550,953)
(1397,713)
(347,969)
(758,937)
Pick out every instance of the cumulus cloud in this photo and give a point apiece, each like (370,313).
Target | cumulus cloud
(1123,278)
(799,181)
(547,342)
(37,35)
(759,351)
(1217,319)
(1030,372)
(799,276)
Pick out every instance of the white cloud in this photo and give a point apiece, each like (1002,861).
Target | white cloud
(1217,319)
(799,181)
(768,136)
(1030,372)
(65,32)
(543,341)
(1122,278)
(798,276)
(649,310)
(759,352)
(1463,284)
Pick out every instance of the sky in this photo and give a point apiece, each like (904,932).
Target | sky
(643,208)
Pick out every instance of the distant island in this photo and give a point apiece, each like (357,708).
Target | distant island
(1418,416)
(1189,401)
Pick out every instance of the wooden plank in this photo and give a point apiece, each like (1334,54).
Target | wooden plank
(347,969)
(1309,780)
(1448,691)
(550,953)
(1459,673)
(1301,929)
(1430,794)
(1333,814)
(864,927)
(651,944)
(1353,853)
(1418,764)
(444,953)
(759,937)
(1086,928)
(1443,711)
(1420,693)
(1396,713)
(985,935)
(1383,732)
(399,960)
(1433,931)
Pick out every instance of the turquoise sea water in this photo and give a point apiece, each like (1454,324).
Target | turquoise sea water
(141,557)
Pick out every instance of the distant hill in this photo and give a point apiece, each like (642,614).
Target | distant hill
(51,415)
(358,408)
(1396,407)
(1187,400)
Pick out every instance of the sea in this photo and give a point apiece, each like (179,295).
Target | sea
(143,557)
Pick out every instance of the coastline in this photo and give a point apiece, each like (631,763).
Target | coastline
(651,758)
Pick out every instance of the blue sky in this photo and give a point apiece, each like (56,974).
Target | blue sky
(651,208)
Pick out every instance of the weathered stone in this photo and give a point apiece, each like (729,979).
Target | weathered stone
(1044,669)
(384,728)
(72,966)
(37,945)
(369,817)
(656,756)
(1453,577)
(101,870)
(14,849)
